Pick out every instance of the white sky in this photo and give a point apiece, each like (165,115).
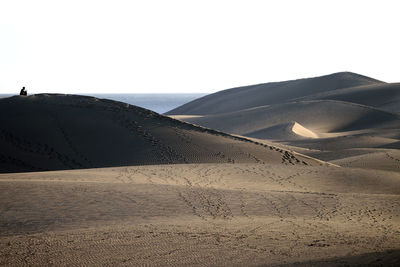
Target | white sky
(191,46)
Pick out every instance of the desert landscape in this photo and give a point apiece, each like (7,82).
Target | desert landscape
(296,173)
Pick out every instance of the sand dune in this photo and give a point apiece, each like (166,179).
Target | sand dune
(339,113)
(321,117)
(200,214)
(50,132)
(270,93)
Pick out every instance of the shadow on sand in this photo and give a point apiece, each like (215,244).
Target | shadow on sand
(385,258)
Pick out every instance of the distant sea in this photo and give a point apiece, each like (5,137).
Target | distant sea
(159,103)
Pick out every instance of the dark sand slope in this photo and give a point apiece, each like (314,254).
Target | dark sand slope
(385,96)
(270,93)
(54,132)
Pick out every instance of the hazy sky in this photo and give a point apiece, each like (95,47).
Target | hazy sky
(191,46)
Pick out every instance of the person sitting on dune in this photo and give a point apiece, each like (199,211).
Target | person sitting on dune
(23,91)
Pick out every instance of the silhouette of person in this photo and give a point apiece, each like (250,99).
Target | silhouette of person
(23,91)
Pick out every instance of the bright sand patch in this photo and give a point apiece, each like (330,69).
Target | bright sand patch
(302,131)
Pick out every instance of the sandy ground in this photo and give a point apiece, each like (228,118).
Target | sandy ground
(201,215)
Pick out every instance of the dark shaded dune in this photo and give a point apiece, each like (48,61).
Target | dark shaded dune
(321,116)
(270,93)
(382,96)
(55,132)
(395,145)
